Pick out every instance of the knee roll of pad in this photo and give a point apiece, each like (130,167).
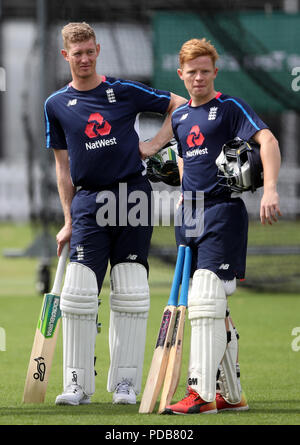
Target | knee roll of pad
(129,288)
(129,303)
(207,297)
(80,291)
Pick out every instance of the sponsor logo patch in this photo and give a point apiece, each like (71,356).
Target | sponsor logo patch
(195,137)
(98,126)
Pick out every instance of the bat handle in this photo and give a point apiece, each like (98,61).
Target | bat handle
(60,270)
(177,276)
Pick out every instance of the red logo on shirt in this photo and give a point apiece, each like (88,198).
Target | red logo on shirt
(97,126)
(195,138)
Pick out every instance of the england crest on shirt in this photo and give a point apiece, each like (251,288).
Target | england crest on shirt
(111,95)
(212,113)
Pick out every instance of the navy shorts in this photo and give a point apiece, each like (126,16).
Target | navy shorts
(112,225)
(220,244)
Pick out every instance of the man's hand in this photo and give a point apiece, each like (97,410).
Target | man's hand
(270,156)
(147,149)
(63,237)
(269,207)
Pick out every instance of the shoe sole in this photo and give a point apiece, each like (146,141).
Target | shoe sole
(68,402)
(211,411)
(65,402)
(123,402)
(85,402)
(240,408)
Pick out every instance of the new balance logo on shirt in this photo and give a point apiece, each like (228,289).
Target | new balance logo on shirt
(72,102)
(184,116)
(224,266)
(131,257)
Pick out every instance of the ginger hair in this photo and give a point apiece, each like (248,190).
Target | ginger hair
(197,47)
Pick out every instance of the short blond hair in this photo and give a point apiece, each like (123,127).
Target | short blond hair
(77,32)
(197,47)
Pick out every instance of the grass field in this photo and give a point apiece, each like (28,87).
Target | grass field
(270,368)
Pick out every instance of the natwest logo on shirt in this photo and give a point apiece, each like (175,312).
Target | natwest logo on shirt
(195,137)
(97,126)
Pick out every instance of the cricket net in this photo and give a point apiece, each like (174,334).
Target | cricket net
(140,40)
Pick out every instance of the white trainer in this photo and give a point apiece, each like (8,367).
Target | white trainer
(73,395)
(124,393)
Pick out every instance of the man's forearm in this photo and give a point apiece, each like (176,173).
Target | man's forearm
(270,156)
(180,168)
(165,133)
(163,136)
(271,161)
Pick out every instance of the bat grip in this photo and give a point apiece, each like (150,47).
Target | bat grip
(177,276)
(185,277)
(60,270)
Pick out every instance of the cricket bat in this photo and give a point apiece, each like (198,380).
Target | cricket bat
(173,370)
(161,352)
(45,339)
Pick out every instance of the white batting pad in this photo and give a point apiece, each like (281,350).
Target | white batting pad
(229,286)
(207,310)
(129,302)
(228,381)
(79,307)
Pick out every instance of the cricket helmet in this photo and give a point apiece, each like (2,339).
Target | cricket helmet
(162,167)
(240,165)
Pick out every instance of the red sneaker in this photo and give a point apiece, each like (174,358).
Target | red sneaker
(192,404)
(222,405)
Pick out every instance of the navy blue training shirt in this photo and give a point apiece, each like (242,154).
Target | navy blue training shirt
(97,127)
(202,131)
